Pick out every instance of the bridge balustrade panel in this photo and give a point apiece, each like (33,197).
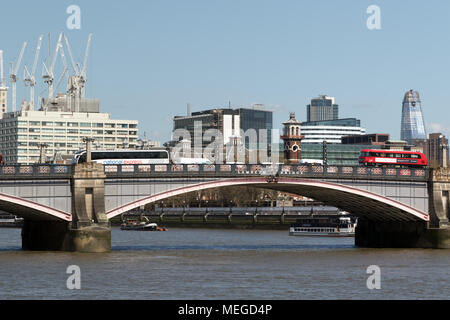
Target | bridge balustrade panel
(35,171)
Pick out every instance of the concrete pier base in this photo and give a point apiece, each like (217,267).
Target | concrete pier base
(376,234)
(59,236)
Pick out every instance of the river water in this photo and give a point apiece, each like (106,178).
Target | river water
(223,264)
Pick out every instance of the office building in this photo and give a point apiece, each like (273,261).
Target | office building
(322,108)
(258,119)
(330,131)
(412,123)
(62,132)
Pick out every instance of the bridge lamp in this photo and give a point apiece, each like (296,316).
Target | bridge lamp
(88,141)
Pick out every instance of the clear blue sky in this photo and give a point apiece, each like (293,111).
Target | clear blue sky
(150,58)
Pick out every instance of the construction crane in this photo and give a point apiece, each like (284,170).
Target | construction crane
(13,75)
(48,77)
(29,77)
(2,76)
(66,69)
(83,70)
(77,82)
(76,70)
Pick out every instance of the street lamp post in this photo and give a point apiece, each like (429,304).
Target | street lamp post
(42,152)
(88,141)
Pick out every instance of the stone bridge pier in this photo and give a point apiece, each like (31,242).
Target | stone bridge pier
(438,191)
(89,230)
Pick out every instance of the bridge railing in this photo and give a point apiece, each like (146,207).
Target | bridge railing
(31,171)
(221,170)
(241,170)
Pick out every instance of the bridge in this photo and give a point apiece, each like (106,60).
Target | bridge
(68,207)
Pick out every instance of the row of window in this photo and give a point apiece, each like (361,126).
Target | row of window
(68,131)
(68,124)
(68,138)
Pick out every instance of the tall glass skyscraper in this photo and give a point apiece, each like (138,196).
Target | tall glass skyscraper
(413,127)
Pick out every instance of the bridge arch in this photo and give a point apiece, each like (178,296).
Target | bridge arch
(359,202)
(31,210)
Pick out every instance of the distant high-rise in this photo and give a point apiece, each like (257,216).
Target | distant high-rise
(322,108)
(412,127)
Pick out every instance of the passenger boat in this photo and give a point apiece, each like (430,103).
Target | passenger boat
(10,221)
(138,225)
(325,226)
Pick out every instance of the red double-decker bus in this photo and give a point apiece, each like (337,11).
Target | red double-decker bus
(392,158)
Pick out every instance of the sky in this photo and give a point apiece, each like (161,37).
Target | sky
(149,58)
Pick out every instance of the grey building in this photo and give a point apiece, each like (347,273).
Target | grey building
(322,108)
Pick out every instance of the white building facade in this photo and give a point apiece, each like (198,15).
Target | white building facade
(330,131)
(22,132)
